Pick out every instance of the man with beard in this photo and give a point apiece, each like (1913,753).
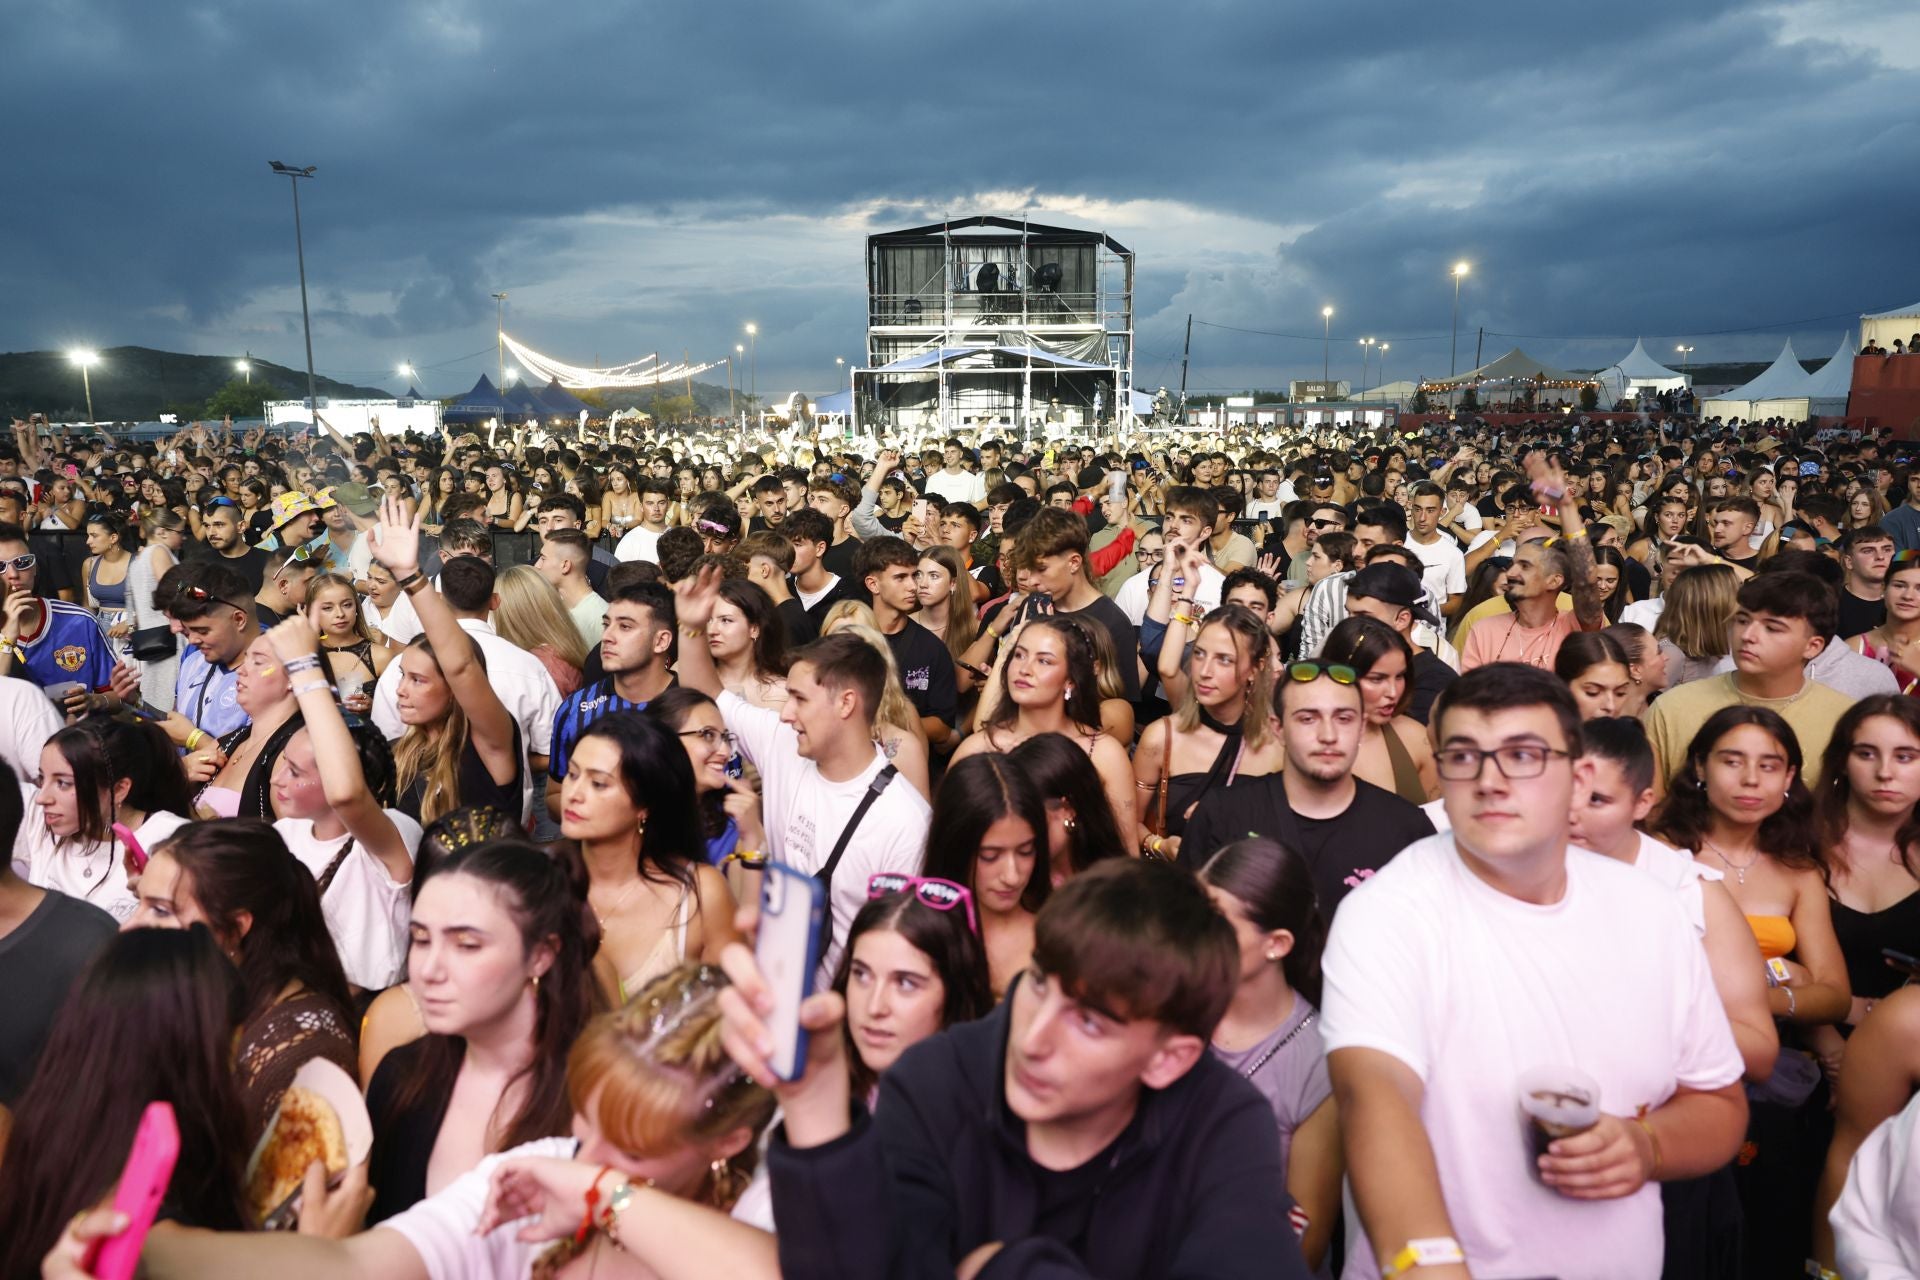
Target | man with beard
(227,545)
(636,651)
(1534,631)
(886,566)
(1345,828)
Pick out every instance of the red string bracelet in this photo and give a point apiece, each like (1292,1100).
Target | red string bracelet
(593,1199)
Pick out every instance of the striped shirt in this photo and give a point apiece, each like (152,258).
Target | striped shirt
(581,708)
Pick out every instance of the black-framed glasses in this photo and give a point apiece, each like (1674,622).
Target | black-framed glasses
(710,737)
(20,564)
(1525,760)
(1307,671)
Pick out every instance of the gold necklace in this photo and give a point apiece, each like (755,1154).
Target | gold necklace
(619,902)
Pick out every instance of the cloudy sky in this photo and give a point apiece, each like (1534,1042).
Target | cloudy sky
(650,177)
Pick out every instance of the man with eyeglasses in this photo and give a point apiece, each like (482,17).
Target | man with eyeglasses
(1480,956)
(636,652)
(54,644)
(1344,827)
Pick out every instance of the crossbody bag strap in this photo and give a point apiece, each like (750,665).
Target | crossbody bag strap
(874,788)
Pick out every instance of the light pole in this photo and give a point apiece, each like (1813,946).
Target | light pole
(1326,345)
(753,361)
(499,335)
(1460,270)
(839,366)
(246,369)
(730,382)
(1686,355)
(1366,349)
(293,175)
(406,371)
(1380,368)
(85,360)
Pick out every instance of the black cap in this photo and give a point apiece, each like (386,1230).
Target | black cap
(1396,584)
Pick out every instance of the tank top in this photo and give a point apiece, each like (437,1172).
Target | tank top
(107,595)
(1865,935)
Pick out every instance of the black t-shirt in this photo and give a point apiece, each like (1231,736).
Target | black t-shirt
(926,669)
(38,963)
(1064,1199)
(1857,616)
(1430,676)
(1106,615)
(801,628)
(1340,852)
(839,559)
(251,566)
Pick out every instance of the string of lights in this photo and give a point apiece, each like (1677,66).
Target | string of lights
(645,372)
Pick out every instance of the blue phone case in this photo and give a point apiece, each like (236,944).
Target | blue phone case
(793,907)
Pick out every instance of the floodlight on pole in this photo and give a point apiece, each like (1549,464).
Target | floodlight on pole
(499,335)
(1686,354)
(1326,344)
(245,368)
(1380,368)
(293,174)
(753,360)
(85,359)
(1366,349)
(1460,270)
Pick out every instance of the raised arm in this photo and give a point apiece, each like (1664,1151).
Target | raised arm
(341,779)
(396,544)
(693,603)
(1550,484)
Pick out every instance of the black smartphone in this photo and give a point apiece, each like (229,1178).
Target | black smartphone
(1902,961)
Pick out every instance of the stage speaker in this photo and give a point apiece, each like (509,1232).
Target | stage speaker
(1048,277)
(987,279)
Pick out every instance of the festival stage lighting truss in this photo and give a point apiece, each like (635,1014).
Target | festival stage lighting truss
(645,372)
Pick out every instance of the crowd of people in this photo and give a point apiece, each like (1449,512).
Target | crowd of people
(1482,851)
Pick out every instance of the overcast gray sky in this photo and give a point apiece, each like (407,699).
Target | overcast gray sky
(651,177)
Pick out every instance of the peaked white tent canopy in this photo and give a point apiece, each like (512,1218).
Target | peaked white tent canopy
(1822,394)
(1636,371)
(1884,326)
(1517,368)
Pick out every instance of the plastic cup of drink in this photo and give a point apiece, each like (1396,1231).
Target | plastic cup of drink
(1556,1102)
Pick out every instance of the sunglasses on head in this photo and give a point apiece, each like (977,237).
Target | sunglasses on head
(222,502)
(1899,557)
(202,594)
(1305,672)
(941,895)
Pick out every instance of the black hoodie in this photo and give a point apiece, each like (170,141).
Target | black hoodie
(1194,1187)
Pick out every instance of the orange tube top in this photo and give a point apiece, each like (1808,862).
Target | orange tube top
(1773,933)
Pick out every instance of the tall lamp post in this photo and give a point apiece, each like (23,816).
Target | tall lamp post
(753,360)
(293,175)
(1460,270)
(500,336)
(1380,366)
(85,360)
(1366,349)
(1686,356)
(246,369)
(1326,344)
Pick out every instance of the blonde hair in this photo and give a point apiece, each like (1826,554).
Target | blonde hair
(1248,633)
(1700,605)
(430,754)
(323,580)
(894,710)
(963,625)
(530,615)
(663,1079)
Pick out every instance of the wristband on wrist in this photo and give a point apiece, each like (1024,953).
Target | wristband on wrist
(1653,1140)
(587,1218)
(1792,1004)
(305,662)
(193,739)
(311,686)
(1434,1251)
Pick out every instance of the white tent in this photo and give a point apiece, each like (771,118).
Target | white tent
(1636,371)
(1784,379)
(1884,326)
(1823,394)
(1387,393)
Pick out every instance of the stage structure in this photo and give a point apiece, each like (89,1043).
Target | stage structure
(997,325)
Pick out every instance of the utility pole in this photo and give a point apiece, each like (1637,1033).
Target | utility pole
(294,174)
(1185,352)
(500,341)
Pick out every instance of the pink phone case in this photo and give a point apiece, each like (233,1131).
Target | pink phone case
(133,846)
(143,1184)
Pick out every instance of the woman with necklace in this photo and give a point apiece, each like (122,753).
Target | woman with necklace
(1739,806)
(628,802)
(1270,1033)
(1869,786)
(1896,642)
(1221,729)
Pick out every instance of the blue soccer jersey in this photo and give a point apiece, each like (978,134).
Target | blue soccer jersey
(69,647)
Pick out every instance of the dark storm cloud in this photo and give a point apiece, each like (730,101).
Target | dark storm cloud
(1654,168)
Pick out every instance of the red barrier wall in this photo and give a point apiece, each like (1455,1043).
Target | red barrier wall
(1886,393)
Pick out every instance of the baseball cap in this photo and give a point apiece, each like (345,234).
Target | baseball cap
(1394,583)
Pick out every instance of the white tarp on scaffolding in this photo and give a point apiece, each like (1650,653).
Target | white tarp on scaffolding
(1884,326)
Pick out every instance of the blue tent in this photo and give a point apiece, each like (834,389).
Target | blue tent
(561,402)
(477,405)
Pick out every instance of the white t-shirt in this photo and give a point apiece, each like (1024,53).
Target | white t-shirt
(1266,508)
(31,719)
(805,814)
(1469,987)
(90,872)
(638,543)
(1678,871)
(967,486)
(1876,1221)
(441,1227)
(1133,593)
(810,598)
(366,911)
(400,624)
(1444,565)
(1645,613)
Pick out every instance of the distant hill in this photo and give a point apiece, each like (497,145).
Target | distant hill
(138,383)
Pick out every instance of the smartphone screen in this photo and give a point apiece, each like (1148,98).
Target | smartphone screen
(792,907)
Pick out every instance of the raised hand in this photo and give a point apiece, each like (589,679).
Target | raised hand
(294,638)
(396,539)
(694,597)
(1269,564)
